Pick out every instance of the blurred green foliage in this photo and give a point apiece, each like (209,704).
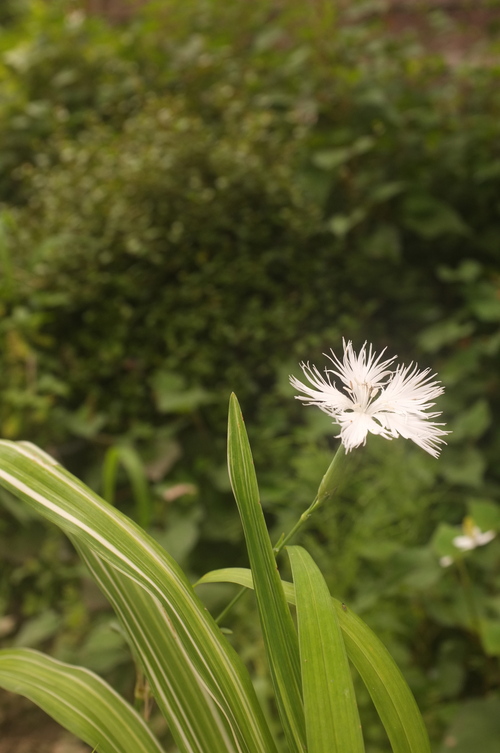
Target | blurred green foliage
(192,204)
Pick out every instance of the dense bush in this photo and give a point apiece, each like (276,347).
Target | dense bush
(187,254)
(195,203)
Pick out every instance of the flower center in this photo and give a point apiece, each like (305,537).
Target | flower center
(361,394)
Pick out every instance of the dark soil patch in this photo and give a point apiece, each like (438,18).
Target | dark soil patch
(24,728)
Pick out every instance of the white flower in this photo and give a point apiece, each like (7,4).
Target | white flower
(475,537)
(375,398)
(446,561)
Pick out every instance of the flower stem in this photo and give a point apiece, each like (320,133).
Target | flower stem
(327,489)
(229,606)
(283,540)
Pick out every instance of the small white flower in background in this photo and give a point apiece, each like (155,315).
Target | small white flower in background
(375,398)
(446,561)
(473,536)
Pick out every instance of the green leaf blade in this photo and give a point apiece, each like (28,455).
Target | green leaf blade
(79,700)
(389,690)
(278,630)
(131,462)
(57,495)
(181,696)
(331,712)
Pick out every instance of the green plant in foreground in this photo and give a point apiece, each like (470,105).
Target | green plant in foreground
(199,682)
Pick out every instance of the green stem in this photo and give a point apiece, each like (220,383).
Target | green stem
(327,489)
(229,606)
(466,584)
(283,540)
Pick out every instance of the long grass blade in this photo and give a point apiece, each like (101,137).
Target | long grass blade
(79,700)
(278,630)
(192,716)
(331,711)
(57,495)
(131,462)
(389,690)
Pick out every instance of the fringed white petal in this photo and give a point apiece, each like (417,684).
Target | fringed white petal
(376,399)
(323,394)
(427,434)
(354,428)
(364,369)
